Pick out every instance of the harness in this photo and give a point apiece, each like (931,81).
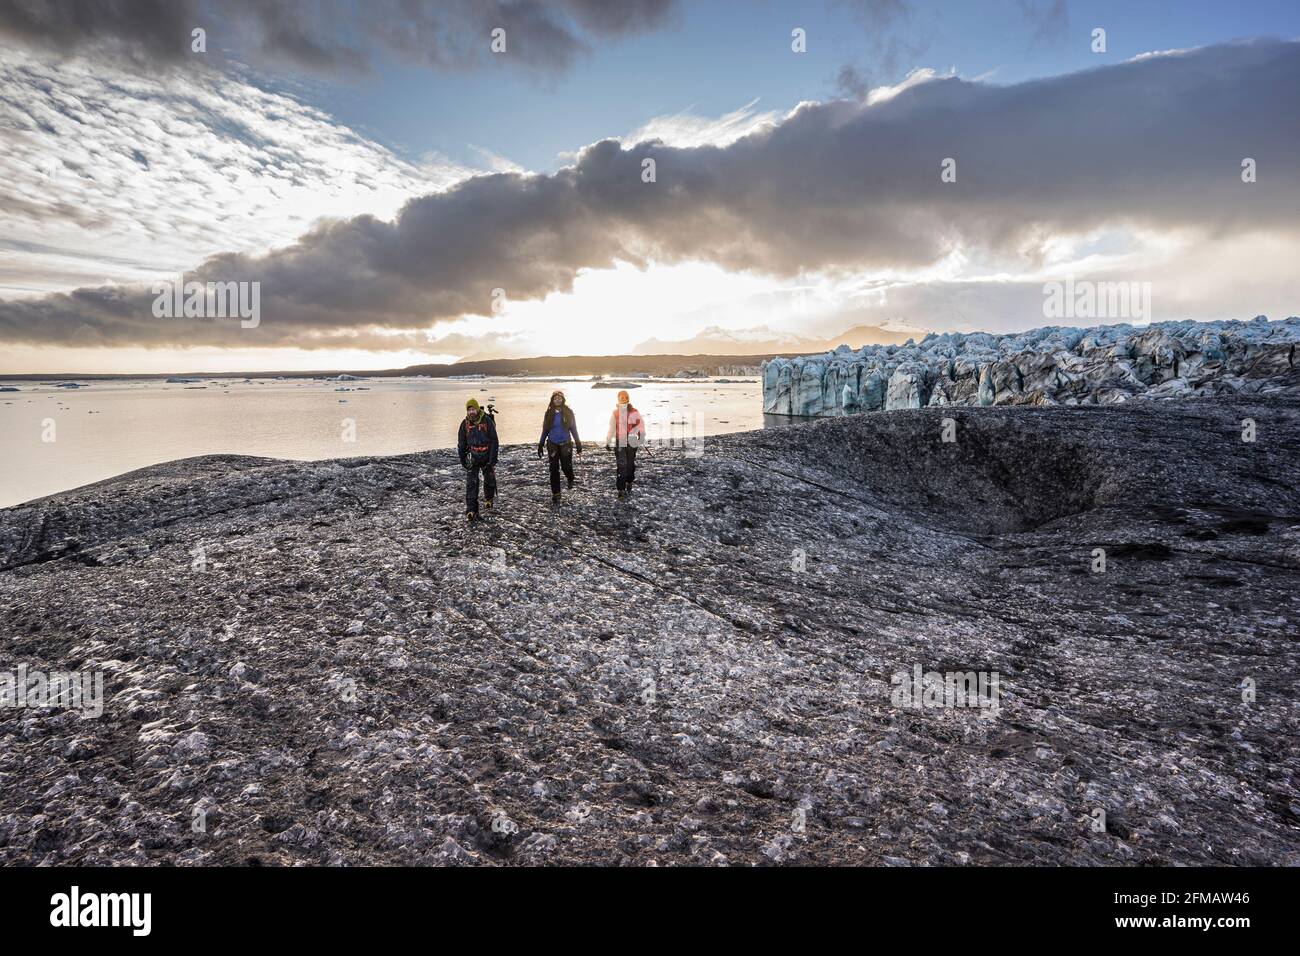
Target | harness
(476,436)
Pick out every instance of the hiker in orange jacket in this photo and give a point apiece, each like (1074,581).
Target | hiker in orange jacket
(625,435)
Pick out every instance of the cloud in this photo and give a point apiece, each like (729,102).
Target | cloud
(138,30)
(1188,285)
(488,345)
(880,94)
(686,129)
(878,14)
(331,36)
(835,187)
(852,81)
(891,40)
(1048,19)
(622,18)
(495,162)
(107,176)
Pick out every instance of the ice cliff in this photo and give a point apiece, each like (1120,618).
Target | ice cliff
(1048,366)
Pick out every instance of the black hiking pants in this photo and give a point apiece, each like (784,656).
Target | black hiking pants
(471,482)
(626,459)
(561,456)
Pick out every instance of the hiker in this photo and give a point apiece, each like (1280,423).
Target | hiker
(560,440)
(627,432)
(477,445)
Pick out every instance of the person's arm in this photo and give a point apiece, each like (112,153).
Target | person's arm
(613,424)
(546,427)
(462,446)
(492,440)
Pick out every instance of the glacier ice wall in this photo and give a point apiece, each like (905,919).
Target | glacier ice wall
(1048,366)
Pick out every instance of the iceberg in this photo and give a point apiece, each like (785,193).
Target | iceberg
(1052,365)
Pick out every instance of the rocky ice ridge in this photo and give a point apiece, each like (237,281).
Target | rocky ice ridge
(320,661)
(1053,365)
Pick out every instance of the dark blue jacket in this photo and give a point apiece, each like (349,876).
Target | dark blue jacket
(479,440)
(566,427)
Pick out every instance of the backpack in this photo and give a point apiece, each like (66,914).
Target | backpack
(477,438)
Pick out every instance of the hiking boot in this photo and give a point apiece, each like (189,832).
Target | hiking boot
(622,495)
(570,484)
(555,497)
(487,502)
(471,516)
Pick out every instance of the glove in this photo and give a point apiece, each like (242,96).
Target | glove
(539,450)
(608,447)
(466,464)
(578,449)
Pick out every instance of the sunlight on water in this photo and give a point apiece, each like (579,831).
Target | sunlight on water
(108,428)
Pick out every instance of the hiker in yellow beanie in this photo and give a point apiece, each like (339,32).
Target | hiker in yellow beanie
(477,444)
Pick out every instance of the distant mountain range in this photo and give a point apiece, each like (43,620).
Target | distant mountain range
(714,351)
(658,365)
(764,341)
(545,365)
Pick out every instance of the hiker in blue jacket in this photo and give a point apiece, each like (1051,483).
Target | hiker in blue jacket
(476,442)
(559,439)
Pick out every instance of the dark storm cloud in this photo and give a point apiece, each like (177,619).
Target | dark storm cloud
(136,28)
(332,35)
(616,19)
(1154,143)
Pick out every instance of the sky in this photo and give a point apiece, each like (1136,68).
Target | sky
(399,192)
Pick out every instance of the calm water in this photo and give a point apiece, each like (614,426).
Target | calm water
(108,428)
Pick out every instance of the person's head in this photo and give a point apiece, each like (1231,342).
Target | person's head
(472,409)
(557,399)
(624,398)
